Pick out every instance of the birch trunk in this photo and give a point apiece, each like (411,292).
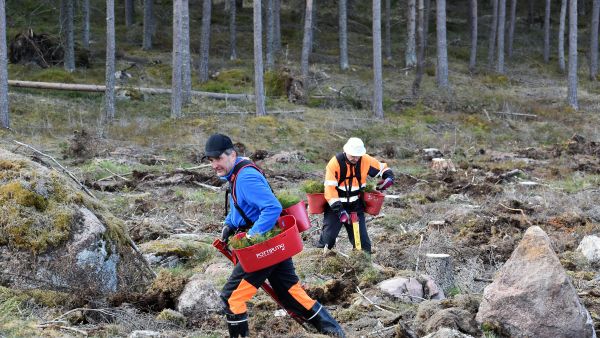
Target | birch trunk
(561,36)
(129,13)
(377,66)
(343,34)
(148,24)
(109,96)
(572,90)
(511,27)
(442,51)
(204,41)
(177,62)
(259,89)
(493,34)
(594,40)
(185,51)
(306,42)
(420,47)
(473,56)
(270,64)
(501,22)
(69,61)
(85,13)
(232,30)
(4,118)
(411,52)
(388,30)
(547,33)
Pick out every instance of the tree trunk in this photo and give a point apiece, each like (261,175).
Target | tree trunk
(148,24)
(277,26)
(410,56)
(259,89)
(572,90)
(561,36)
(442,51)
(501,22)
(185,52)
(343,34)
(232,30)
(511,28)
(420,47)
(69,61)
(204,41)
(177,62)
(530,13)
(4,119)
(388,30)
(270,31)
(306,42)
(85,13)
(62,18)
(313,35)
(440,268)
(473,56)
(594,40)
(547,33)
(109,96)
(377,66)
(426,24)
(582,11)
(129,13)
(493,34)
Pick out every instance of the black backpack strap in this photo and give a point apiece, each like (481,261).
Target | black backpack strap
(341,158)
(231,189)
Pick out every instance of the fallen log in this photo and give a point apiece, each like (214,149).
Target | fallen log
(102,88)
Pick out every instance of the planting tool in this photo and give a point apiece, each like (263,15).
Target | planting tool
(356,230)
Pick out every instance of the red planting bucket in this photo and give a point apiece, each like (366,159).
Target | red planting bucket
(316,203)
(274,250)
(298,210)
(373,202)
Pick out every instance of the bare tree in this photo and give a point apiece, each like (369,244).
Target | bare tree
(442,49)
(109,96)
(530,12)
(232,30)
(547,33)
(185,52)
(561,36)
(69,61)
(270,32)
(177,63)
(307,41)
(259,88)
(594,40)
(4,119)
(410,56)
(388,30)
(204,41)
(85,13)
(343,34)
(129,12)
(473,16)
(426,23)
(148,24)
(572,90)
(511,27)
(493,34)
(420,47)
(501,21)
(277,26)
(377,66)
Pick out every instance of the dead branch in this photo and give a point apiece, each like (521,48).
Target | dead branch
(515,114)
(372,303)
(117,175)
(209,187)
(62,327)
(519,210)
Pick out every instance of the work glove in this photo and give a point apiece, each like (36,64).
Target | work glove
(344,217)
(384,184)
(226,232)
(342,214)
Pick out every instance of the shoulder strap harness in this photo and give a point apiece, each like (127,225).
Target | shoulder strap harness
(231,189)
(354,172)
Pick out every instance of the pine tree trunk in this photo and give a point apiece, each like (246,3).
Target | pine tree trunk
(306,42)
(561,36)
(473,56)
(377,61)
(493,34)
(204,41)
(69,61)
(232,30)
(501,22)
(420,47)
(442,50)
(410,56)
(148,24)
(62,18)
(530,13)
(511,28)
(582,11)
(270,64)
(185,51)
(547,33)
(594,40)
(259,88)
(388,30)
(313,35)
(177,62)
(343,34)
(109,96)
(426,24)
(85,17)
(129,13)
(4,118)
(572,90)
(277,26)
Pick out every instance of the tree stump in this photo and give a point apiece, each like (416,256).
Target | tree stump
(440,268)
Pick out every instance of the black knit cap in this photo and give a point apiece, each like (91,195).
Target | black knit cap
(216,145)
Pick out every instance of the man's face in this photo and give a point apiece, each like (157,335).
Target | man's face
(352,159)
(223,164)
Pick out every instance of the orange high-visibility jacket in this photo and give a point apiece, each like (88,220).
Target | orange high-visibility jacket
(334,192)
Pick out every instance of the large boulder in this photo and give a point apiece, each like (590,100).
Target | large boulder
(590,248)
(532,296)
(199,298)
(54,237)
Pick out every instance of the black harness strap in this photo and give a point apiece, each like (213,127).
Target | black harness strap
(354,172)
(231,189)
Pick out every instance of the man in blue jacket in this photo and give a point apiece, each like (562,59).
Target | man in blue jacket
(255,210)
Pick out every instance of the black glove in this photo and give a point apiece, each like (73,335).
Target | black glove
(226,232)
(384,184)
(343,215)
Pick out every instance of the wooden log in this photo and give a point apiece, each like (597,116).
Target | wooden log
(440,268)
(102,88)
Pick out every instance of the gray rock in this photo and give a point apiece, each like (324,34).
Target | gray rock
(532,296)
(411,290)
(590,248)
(143,334)
(447,333)
(199,298)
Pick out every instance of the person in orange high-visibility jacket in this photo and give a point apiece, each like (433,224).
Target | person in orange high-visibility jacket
(345,179)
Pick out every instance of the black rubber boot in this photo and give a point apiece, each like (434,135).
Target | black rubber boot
(238,325)
(324,323)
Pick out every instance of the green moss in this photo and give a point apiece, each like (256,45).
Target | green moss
(194,251)
(171,316)
(16,193)
(53,74)
(11,165)
(275,84)
(215,87)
